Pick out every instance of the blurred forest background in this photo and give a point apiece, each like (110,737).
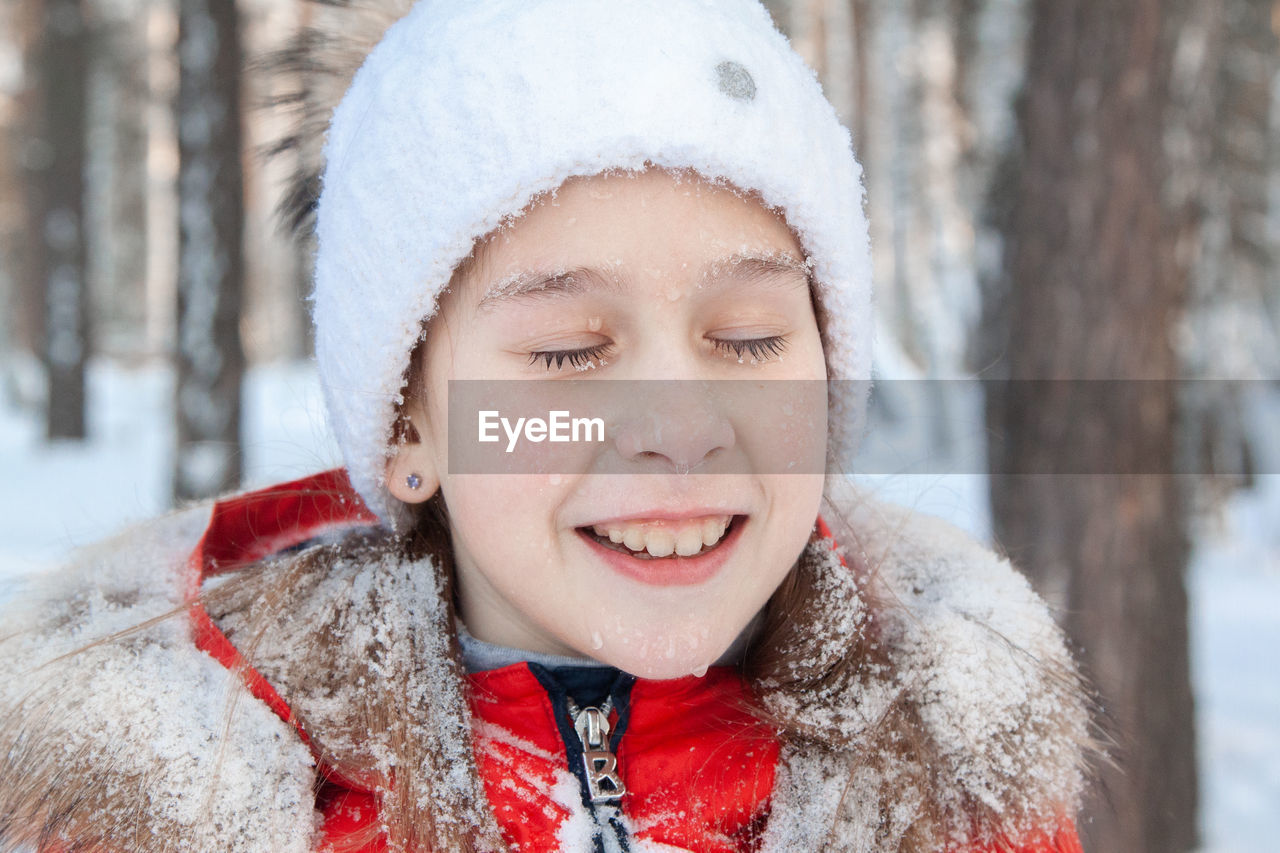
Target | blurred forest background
(1058,189)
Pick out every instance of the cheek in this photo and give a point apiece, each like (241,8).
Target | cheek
(796,501)
(782,427)
(500,529)
(500,512)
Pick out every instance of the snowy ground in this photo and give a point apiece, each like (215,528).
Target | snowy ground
(56,497)
(1235,631)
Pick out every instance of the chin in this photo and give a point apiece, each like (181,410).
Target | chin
(663,670)
(663,655)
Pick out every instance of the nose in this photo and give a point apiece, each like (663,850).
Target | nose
(675,425)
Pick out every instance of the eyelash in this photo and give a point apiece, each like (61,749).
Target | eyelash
(760,349)
(577,358)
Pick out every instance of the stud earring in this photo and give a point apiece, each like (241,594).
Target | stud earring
(413,481)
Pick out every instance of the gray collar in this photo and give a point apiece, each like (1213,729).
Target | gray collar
(479,656)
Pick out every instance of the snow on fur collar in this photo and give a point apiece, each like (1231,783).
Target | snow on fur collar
(95,725)
(977,715)
(978,708)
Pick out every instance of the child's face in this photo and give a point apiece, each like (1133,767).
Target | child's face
(666,285)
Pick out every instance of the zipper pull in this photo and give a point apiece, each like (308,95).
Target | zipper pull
(603,783)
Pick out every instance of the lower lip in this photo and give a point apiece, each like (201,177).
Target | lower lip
(670,571)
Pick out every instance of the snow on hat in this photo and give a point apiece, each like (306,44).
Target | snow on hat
(465,111)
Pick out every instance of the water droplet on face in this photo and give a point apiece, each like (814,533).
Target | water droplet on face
(673,294)
(597,641)
(554,479)
(594,324)
(700,671)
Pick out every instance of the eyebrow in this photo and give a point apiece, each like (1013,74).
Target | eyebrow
(754,268)
(779,268)
(539,285)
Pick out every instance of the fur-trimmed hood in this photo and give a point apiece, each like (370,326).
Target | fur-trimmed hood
(138,741)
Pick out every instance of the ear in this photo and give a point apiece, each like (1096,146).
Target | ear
(412,462)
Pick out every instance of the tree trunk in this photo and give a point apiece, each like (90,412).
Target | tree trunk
(1095,284)
(56,157)
(1235,302)
(277,267)
(18,327)
(117,169)
(211,265)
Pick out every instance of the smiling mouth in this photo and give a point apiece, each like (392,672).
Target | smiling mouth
(645,541)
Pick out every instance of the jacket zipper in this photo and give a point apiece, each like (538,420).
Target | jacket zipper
(603,785)
(591,744)
(600,765)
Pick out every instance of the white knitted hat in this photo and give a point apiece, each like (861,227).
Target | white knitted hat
(467,110)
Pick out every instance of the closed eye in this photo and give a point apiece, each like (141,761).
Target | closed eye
(586,358)
(579,359)
(760,349)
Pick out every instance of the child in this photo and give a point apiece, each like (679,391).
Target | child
(411,654)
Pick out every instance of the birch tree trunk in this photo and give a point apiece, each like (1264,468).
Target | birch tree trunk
(211,265)
(1096,281)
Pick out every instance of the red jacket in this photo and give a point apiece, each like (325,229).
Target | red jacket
(698,769)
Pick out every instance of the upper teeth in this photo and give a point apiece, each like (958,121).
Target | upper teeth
(664,538)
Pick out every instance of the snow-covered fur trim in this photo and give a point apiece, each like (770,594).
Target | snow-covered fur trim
(974,715)
(465,112)
(364,628)
(973,727)
(124,741)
